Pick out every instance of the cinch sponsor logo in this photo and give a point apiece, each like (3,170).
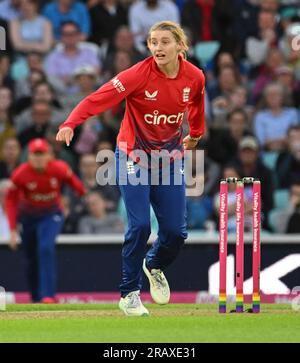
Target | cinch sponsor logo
(157,119)
(43,197)
(118,85)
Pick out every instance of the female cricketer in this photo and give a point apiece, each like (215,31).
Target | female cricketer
(35,190)
(158,91)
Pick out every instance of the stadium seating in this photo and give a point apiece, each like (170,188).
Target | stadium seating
(269,159)
(205,51)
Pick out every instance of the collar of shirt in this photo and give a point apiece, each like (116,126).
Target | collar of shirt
(162,75)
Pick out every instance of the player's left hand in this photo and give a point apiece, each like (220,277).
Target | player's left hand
(65,134)
(188,143)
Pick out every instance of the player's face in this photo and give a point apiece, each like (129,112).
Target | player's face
(39,160)
(163,47)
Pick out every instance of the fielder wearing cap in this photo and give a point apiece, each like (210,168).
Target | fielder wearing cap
(38,146)
(34,202)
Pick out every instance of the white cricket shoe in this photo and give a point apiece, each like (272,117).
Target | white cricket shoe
(132,306)
(159,287)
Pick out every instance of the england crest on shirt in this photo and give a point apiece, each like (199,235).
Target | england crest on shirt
(53,183)
(186,94)
(31,185)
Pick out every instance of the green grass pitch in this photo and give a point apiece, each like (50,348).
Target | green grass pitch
(170,323)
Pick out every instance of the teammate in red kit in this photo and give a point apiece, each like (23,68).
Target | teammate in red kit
(34,200)
(158,91)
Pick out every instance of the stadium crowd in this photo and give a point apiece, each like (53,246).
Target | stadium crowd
(59,51)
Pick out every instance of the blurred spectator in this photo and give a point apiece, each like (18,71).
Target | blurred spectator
(22,67)
(180,4)
(91,3)
(288,16)
(238,124)
(220,107)
(106,17)
(249,164)
(288,162)
(9,9)
(60,11)
(25,87)
(10,157)
(4,226)
(5,78)
(62,62)
(285,76)
(245,21)
(270,5)
(198,16)
(221,60)
(6,121)
(98,221)
(288,220)
(104,145)
(293,223)
(111,122)
(272,123)
(220,93)
(39,122)
(228,80)
(239,99)
(200,207)
(267,72)
(123,41)
(223,17)
(210,20)
(42,91)
(232,171)
(31,31)
(71,218)
(88,170)
(85,79)
(120,62)
(222,143)
(257,47)
(88,137)
(144,13)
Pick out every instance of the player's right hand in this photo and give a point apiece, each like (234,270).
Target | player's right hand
(13,240)
(65,134)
